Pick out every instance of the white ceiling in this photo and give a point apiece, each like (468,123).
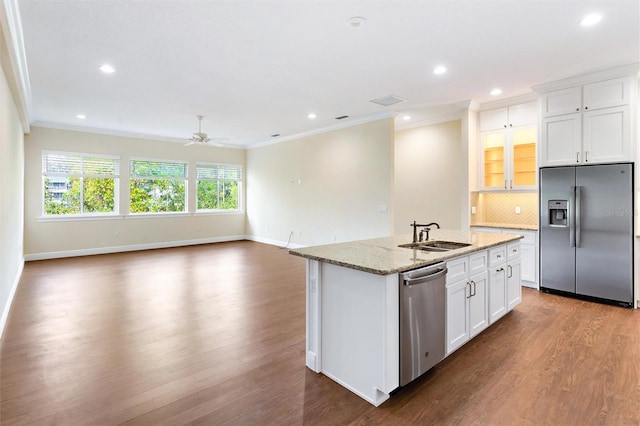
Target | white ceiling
(256,68)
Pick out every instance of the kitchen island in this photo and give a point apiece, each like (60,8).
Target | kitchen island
(352,321)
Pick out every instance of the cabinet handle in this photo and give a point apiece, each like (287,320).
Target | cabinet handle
(586,156)
(474,288)
(465,290)
(505,184)
(505,126)
(586,107)
(578,109)
(500,270)
(499,256)
(511,184)
(577,157)
(510,273)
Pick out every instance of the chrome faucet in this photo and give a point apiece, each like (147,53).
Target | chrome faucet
(424,231)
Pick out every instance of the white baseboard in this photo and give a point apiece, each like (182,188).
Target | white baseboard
(278,243)
(133,247)
(12,293)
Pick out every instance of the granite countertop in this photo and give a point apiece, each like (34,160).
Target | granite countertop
(382,256)
(520,226)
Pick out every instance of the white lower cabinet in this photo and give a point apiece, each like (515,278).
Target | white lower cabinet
(528,253)
(497,283)
(467,292)
(481,288)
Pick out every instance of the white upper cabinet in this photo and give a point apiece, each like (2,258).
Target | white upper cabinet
(512,116)
(508,147)
(605,94)
(587,124)
(561,102)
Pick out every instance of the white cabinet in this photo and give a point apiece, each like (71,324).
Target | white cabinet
(528,253)
(467,299)
(508,138)
(497,283)
(514,287)
(587,124)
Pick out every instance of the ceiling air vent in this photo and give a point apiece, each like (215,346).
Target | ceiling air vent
(388,100)
(275,135)
(342,117)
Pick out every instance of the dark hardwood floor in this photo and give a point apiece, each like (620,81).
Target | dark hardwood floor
(214,334)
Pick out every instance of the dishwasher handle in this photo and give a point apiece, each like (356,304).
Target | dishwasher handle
(426,278)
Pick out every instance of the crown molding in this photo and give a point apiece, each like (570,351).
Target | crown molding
(515,100)
(349,123)
(579,80)
(118,133)
(14,60)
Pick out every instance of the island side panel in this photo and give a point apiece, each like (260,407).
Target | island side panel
(313,315)
(359,324)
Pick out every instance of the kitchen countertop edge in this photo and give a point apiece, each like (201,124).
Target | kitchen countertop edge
(382,256)
(520,227)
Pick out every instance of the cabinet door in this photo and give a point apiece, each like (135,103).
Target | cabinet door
(523,114)
(523,167)
(607,135)
(560,102)
(478,303)
(457,315)
(494,119)
(561,141)
(609,93)
(497,292)
(528,258)
(514,288)
(494,161)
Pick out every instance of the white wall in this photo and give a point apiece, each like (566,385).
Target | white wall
(47,239)
(325,188)
(430,176)
(11,196)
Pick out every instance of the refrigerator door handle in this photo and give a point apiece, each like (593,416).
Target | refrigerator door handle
(578,213)
(572,217)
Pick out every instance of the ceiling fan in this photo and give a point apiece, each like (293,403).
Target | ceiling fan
(200,138)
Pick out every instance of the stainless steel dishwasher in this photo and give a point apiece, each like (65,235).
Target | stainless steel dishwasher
(422,320)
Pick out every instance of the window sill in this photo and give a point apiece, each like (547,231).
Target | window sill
(218,212)
(75,218)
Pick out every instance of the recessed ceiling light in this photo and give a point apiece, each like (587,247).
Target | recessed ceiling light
(440,69)
(591,19)
(406,117)
(81,116)
(311,116)
(107,69)
(496,92)
(356,22)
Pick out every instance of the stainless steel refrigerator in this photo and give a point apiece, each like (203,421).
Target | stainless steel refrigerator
(586,231)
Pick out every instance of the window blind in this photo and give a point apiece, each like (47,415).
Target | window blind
(218,172)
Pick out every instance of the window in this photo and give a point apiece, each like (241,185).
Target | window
(219,187)
(79,184)
(157,186)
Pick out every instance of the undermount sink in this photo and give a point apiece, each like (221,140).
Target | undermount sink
(438,246)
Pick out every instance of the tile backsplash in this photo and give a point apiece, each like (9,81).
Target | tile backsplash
(500,207)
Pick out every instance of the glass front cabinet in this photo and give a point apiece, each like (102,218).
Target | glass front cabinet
(508,147)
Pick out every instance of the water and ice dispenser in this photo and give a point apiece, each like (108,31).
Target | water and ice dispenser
(558,212)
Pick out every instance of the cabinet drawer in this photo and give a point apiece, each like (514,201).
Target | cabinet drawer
(478,262)
(497,256)
(457,269)
(513,251)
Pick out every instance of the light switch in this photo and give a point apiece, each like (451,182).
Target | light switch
(473,209)
(517,209)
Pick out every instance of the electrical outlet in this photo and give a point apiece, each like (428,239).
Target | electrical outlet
(473,209)
(517,209)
